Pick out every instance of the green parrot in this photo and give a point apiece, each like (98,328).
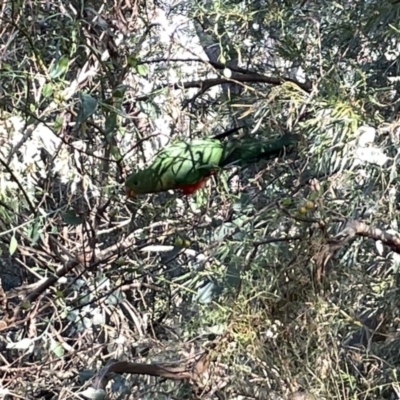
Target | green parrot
(187,165)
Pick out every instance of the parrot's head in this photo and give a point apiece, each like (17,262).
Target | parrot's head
(142,182)
(134,184)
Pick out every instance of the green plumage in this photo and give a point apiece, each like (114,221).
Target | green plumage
(184,164)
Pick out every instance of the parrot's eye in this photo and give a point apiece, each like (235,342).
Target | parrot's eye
(135,183)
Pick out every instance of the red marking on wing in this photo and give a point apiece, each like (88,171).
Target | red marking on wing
(193,187)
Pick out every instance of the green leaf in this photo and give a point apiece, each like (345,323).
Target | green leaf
(88,108)
(120,91)
(142,69)
(13,245)
(7,67)
(47,90)
(26,305)
(58,123)
(33,232)
(110,125)
(60,68)
(56,348)
(286,201)
(132,61)
(115,152)
(71,218)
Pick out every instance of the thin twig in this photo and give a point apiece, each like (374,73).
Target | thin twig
(15,179)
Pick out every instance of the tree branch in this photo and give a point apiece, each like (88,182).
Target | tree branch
(238,78)
(274,81)
(185,372)
(357,228)
(351,230)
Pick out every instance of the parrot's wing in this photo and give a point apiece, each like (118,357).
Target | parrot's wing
(189,162)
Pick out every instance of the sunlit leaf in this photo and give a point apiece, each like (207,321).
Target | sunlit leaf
(94,394)
(59,68)
(23,344)
(142,69)
(58,122)
(47,90)
(13,245)
(56,348)
(205,293)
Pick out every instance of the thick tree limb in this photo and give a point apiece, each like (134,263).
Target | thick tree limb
(357,228)
(192,373)
(351,230)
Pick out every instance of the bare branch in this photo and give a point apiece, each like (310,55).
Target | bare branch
(357,228)
(275,239)
(238,78)
(183,372)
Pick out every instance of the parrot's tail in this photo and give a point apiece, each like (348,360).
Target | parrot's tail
(248,152)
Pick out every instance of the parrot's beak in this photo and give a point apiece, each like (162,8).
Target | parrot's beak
(130,193)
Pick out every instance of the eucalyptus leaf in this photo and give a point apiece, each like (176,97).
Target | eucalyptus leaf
(205,293)
(120,91)
(59,68)
(13,245)
(142,69)
(47,90)
(110,125)
(88,108)
(57,348)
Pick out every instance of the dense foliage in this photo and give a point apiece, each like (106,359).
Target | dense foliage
(275,281)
